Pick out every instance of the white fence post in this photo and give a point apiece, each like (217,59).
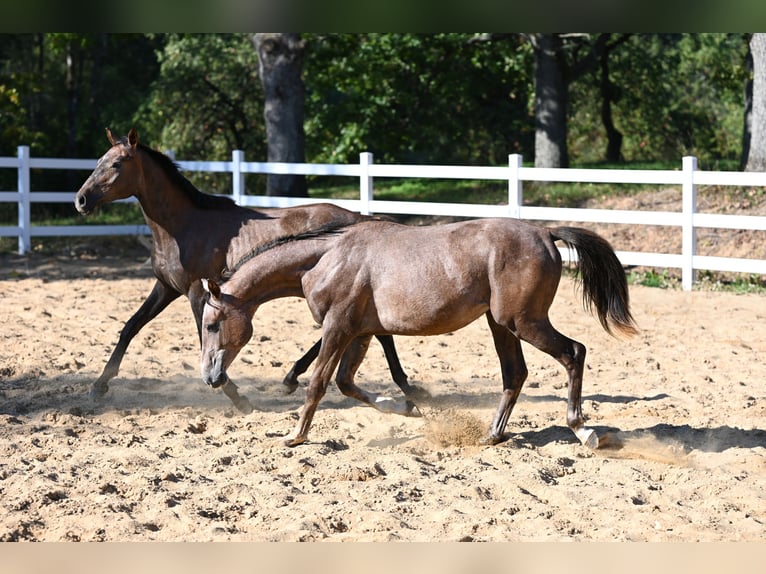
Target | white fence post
(237,177)
(689,233)
(365,182)
(24,186)
(515,190)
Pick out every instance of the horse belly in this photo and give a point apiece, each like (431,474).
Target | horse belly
(433,314)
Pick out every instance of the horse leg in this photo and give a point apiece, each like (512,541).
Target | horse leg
(392,358)
(329,355)
(349,364)
(571,355)
(290,381)
(159,298)
(397,372)
(197,301)
(514,373)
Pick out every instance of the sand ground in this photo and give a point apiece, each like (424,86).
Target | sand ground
(163,457)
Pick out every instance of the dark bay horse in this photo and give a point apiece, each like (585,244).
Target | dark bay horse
(196,235)
(381,277)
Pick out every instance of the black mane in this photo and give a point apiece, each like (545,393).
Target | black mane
(171,169)
(326,230)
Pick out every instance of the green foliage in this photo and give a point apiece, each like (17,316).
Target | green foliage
(651,278)
(206,101)
(422,98)
(678,94)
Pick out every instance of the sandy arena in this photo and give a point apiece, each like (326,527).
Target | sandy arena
(162,457)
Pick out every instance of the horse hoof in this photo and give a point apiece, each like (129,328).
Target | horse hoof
(289,386)
(587,437)
(97,392)
(490,440)
(413,410)
(244,406)
(291,441)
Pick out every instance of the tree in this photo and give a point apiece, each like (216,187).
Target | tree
(418,98)
(206,100)
(551,101)
(560,60)
(756,159)
(747,117)
(280,66)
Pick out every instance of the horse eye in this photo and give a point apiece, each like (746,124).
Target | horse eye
(116,165)
(213,327)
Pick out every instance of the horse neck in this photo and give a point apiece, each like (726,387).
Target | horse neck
(277,272)
(163,202)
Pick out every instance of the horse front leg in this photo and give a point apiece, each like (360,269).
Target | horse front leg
(397,372)
(349,365)
(329,356)
(290,381)
(159,298)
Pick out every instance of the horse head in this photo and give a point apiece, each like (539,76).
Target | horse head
(226,328)
(115,175)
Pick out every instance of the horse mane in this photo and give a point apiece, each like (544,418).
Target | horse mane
(326,230)
(171,169)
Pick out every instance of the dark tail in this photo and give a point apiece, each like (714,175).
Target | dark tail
(602,278)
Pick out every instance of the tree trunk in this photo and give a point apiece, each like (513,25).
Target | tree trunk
(280,65)
(609,93)
(551,101)
(747,117)
(756,157)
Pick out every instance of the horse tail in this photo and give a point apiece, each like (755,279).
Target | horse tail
(602,278)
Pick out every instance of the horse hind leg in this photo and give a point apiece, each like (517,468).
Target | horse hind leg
(349,364)
(514,373)
(571,355)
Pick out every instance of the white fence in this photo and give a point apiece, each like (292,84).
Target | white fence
(688,220)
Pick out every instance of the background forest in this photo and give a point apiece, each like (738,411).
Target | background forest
(426,98)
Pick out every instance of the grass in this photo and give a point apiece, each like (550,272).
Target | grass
(465,191)
(743,284)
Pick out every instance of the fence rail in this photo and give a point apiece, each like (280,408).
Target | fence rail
(688,220)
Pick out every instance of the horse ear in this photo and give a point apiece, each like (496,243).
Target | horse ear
(211,287)
(133,137)
(110,137)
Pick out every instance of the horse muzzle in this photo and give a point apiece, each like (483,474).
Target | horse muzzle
(81,204)
(214,370)
(87,200)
